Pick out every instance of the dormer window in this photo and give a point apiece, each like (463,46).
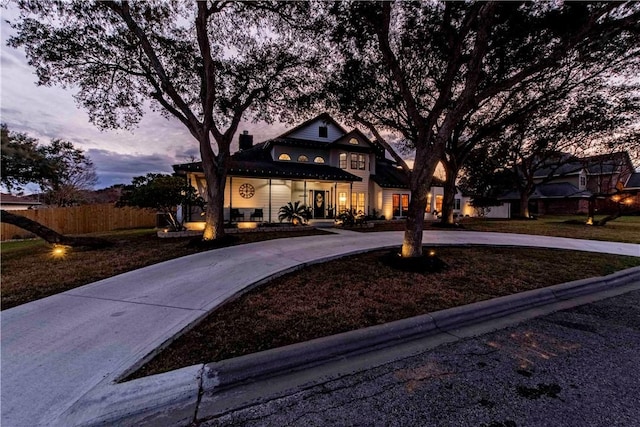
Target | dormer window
(318,160)
(323,132)
(303,158)
(582,184)
(353,141)
(284,156)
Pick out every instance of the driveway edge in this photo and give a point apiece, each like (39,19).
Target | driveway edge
(199,393)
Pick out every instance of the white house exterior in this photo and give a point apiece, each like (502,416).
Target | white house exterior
(321,165)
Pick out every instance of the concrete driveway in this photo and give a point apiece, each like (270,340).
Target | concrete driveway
(58,349)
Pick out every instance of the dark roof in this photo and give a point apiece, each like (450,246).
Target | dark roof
(388,175)
(325,117)
(594,165)
(256,162)
(633,181)
(9,199)
(559,190)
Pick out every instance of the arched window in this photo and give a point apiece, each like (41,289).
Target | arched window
(318,160)
(284,156)
(303,158)
(353,141)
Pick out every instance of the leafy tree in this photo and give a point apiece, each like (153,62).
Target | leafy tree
(418,69)
(207,64)
(62,171)
(74,174)
(294,213)
(57,168)
(162,193)
(23,160)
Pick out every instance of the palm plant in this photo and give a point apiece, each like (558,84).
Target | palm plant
(294,213)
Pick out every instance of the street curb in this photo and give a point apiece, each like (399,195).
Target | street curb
(227,373)
(204,391)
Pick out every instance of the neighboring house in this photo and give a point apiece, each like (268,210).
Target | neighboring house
(321,165)
(567,188)
(9,202)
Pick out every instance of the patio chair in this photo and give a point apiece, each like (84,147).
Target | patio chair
(236,215)
(256,214)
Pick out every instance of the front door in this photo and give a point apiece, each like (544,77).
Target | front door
(318,204)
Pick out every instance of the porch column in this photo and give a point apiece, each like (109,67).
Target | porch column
(269,199)
(304,199)
(351,196)
(230,197)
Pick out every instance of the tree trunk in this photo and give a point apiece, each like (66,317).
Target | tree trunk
(215,173)
(449,196)
(524,204)
(50,235)
(214,216)
(592,211)
(420,183)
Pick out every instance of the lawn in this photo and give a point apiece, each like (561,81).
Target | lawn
(31,271)
(341,295)
(624,229)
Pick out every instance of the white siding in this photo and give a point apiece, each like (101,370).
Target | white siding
(310,132)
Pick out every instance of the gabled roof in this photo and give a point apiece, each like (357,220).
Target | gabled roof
(9,199)
(389,175)
(633,182)
(558,190)
(325,117)
(256,162)
(602,164)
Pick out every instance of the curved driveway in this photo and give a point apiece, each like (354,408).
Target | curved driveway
(57,349)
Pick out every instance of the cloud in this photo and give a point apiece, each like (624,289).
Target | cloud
(118,168)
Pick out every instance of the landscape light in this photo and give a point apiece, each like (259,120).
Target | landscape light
(432,252)
(59,251)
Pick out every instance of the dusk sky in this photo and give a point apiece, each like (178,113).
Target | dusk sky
(51,112)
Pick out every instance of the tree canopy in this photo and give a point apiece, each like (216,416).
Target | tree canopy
(419,69)
(61,171)
(207,64)
(162,193)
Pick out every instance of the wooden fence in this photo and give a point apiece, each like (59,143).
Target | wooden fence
(82,219)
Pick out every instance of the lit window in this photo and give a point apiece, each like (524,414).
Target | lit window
(353,141)
(284,156)
(361,164)
(343,160)
(303,158)
(323,132)
(354,161)
(342,201)
(318,160)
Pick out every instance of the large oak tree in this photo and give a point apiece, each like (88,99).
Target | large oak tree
(207,64)
(418,69)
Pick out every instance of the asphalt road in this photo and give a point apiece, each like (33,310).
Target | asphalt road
(578,367)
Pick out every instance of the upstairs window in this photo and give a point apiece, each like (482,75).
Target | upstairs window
(323,132)
(343,160)
(303,158)
(361,163)
(353,141)
(284,156)
(318,160)
(354,161)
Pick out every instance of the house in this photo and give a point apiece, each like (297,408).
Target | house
(9,202)
(319,164)
(567,187)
